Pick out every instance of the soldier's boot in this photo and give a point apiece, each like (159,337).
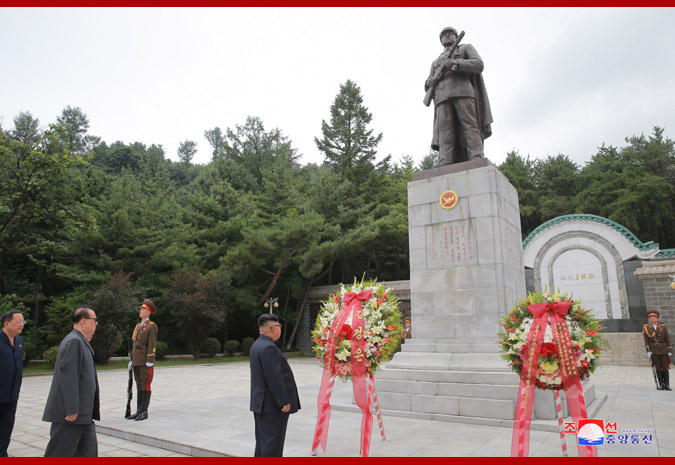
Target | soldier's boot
(139,405)
(146,403)
(666,380)
(659,375)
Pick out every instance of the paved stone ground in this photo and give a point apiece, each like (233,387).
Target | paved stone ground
(203,411)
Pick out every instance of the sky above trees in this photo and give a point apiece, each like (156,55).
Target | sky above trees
(560,80)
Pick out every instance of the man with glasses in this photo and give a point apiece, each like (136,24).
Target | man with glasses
(274,395)
(11,372)
(144,340)
(73,401)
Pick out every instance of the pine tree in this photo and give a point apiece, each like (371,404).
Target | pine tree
(348,145)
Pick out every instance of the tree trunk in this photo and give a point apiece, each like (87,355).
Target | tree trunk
(304,300)
(302,309)
(270,288)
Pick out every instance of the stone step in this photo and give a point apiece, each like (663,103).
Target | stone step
(453,389)
(448,376)
(448,405)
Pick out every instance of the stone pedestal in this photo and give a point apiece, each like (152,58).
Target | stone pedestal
(466,268)
(466,273)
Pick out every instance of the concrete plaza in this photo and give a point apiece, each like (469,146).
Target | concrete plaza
(203,410)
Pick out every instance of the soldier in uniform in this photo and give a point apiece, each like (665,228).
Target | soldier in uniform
(462,115)
(142,355)
(659,349)
(407,331)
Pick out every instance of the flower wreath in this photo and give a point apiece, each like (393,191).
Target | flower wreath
(382,328)
(584,331)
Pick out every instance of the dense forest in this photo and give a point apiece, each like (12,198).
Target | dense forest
(83,221)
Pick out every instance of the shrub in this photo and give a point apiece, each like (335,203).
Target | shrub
(29,352)
(106,342)
(211,347)
(49,356)
(232,346)
(161,348)
(246,344)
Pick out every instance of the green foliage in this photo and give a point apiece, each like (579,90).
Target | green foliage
(232,346)
(520,172)
(27,130)
(107,340)
(428,161)
(246,344)
(9,302)
(49,356)
(161,349)
(59,317)
(111,304)
(198,303)
(349,147)
(211,347)
(29,352)
(634,186)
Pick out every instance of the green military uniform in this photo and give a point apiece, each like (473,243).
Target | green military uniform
(657,342)
(144,340)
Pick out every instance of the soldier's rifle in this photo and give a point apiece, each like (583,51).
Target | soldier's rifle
(130,386)
(656,378)
(438,71)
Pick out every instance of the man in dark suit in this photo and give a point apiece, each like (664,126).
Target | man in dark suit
(73,401)
(274,395)
(11,372)
(462,115)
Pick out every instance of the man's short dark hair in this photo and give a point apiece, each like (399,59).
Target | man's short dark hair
(265,317)
(8,315)
(81,313)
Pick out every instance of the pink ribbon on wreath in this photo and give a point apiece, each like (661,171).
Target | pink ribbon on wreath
(351,301)
(571,380)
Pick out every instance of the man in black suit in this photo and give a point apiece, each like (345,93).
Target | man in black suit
(11,373)
(73,401)
(274,395)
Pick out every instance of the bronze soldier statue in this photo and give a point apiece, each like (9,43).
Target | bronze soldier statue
(462,115)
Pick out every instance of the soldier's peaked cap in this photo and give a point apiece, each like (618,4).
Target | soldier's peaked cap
(151,304)
(653,312)
(447,29)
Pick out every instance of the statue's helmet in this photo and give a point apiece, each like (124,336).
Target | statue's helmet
(447,29)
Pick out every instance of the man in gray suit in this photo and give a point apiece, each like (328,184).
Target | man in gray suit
(73,402)
(274,395)
(462,115)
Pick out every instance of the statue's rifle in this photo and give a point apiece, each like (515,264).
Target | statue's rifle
(439,70)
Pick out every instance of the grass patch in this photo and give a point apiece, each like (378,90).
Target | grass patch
(43,369)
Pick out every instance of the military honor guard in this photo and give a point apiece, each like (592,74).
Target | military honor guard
(659,349)
(142,357)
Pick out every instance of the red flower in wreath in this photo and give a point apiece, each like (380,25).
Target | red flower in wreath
(590,332)
(346,333)
(391,327)
(548,349)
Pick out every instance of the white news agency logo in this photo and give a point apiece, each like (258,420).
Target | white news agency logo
(595,432)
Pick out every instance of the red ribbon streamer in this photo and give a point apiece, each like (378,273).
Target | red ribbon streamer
(351,301)
(571,381)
